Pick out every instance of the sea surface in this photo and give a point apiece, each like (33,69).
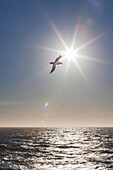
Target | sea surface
(56,148)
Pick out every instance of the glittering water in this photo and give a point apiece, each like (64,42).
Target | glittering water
(56,148)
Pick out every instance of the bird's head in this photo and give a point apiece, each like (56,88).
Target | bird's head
(51,62)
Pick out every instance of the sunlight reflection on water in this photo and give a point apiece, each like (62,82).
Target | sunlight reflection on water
(56,148)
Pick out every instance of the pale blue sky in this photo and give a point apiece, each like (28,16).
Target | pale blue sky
(25,82)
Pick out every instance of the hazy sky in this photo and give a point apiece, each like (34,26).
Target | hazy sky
(79,92)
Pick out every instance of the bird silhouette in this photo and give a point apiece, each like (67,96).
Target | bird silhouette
(56,62)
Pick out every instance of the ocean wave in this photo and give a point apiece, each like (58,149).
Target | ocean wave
(60,148)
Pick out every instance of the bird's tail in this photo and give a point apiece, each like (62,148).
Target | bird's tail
(51,62)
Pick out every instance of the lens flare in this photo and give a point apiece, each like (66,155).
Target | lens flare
(46,105)
(89,22)
(95,3)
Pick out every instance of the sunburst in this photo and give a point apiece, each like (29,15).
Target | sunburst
(70,53)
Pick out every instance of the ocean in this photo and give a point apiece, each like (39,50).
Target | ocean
(56,148)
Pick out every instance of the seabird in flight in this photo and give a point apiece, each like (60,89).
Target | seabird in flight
(56,62)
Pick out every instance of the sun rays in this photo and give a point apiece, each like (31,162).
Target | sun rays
(71,53)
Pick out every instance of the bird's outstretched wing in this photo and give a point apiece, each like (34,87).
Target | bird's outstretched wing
(58,58)
(53,68)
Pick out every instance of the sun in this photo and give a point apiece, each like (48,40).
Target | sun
(70,53)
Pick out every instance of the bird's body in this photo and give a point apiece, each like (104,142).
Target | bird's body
(56,62)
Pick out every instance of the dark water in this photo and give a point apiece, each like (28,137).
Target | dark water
(56,148)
